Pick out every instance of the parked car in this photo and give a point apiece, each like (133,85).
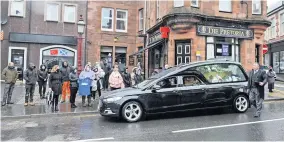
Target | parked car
(200,85)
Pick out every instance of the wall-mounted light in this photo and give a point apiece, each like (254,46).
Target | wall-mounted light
(115,39)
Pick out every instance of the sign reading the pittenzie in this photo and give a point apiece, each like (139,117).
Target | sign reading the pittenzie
(224,32)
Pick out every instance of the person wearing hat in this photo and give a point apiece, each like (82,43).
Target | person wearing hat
(30,75)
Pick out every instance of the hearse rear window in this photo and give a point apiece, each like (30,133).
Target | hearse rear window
(222,73)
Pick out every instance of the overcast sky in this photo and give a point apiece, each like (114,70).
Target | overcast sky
(271,2)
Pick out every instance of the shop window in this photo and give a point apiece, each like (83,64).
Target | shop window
(52,12)
(178,3)
(17,8)
(222,48)
(256,6)
(107,19)
(222,73)
(225,5)
(141,19)
(18,58)
(276,61)
(140,57)
(56,56)
(121,20)
(194,3)
(70,13)
(105,51)
(281,62)
(266,59)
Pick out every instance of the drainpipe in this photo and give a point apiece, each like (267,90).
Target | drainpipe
(145,38)
(86,33)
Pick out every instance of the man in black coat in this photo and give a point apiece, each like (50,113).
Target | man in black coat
(30,76)
(256,83)
(42,80)
(126,78)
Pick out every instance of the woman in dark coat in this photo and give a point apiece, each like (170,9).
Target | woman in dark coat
(271,79)
(73,77)
(55,84)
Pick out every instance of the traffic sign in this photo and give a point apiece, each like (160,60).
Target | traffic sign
(264,49)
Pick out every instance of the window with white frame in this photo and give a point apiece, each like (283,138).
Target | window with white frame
(282,24)
(273,28)
(178,3)
(17,8)
(225,5)
(194,3)
(256,6)
(52,12)
(121,20)
(69,13)
(141,19)
(107,19)
(158,9)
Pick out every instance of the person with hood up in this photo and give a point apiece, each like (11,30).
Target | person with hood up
(65,71)
(73,77)
(97,84)
(87,73)
(55,84)
(30,75)
(115,79)
(126,78)
(10,75)
(42,79)
(106,68)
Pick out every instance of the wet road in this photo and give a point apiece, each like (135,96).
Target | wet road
(213,125)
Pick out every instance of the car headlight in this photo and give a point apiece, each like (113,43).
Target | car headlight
(112,99)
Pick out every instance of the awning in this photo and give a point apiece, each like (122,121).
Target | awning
(148,47)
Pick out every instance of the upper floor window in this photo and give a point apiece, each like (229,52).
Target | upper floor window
(121,20)
(107,19)
(69,13)
(256,6)
(194,3)
(141,19)
(282,24)
(225,5)
(273,28)
(178,3)
(52,12)
(17,8)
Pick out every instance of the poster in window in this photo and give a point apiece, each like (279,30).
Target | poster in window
(225,50)
(131,61)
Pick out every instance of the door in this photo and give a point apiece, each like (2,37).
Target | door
(257,53)
(192,92)
(169,94)
(17,55)
(182,52)
(218,95)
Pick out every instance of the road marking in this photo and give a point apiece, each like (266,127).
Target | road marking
(223,126)
(99,139)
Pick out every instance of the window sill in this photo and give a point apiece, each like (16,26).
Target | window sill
(106,30)
(194,6)
(19,16)
(51,21)
(225,11)
(257,14)
(120,31)
(68,22)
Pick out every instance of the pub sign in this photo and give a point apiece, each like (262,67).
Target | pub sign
(225,32)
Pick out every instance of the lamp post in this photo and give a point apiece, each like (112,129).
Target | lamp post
(81,28)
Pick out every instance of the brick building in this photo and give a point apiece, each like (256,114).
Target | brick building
(113,28)
(201,30)
(40,32)
(274,37)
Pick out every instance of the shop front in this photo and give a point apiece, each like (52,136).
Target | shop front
(275,56)
(56,55)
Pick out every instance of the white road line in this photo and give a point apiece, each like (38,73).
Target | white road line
(99,139)
(222,126)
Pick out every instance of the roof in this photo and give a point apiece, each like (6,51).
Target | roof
(279,5)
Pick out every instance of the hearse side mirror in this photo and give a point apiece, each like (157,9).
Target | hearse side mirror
(155,88)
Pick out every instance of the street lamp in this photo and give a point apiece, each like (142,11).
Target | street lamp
(81,29)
